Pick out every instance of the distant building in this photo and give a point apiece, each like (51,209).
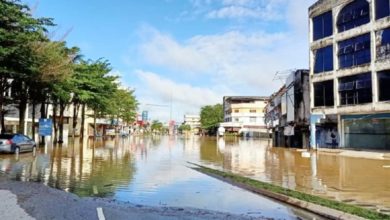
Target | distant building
(193,121)
(244,114)
(350,74)
(287,115)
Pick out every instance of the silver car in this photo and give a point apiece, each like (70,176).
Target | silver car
(16,143)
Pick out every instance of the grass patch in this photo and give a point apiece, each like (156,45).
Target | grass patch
(347,208)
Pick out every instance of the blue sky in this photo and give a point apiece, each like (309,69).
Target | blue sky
(186,52)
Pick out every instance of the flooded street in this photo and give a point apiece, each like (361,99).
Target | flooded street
(154,171)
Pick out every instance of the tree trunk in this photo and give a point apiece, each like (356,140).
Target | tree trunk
(55,122)
(3,87)
(33,121)
(2,115)
(61,123)
(82,122)
(2,112)
(75,117)
(94,124)
(22,114)
(43,115)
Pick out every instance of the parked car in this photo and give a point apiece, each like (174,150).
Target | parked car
(16,143)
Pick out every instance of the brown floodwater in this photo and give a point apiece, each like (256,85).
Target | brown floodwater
(155,171)
(363,182)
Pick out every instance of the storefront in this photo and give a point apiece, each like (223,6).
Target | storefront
(366,131)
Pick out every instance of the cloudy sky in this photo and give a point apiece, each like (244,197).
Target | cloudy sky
(186,53)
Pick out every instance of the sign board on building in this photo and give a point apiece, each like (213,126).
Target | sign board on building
(45,127)
(144,115)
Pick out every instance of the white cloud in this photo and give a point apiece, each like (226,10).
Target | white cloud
(180,93)
(297,15)
(233,59)
(228,63)
(159,93)
(267,10)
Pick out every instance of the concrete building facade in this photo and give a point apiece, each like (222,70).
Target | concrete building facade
(194,122)
(350,74)
(245,115)
(287,114)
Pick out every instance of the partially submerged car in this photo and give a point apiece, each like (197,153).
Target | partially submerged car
(16,143)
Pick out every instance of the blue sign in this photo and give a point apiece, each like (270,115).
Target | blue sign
(45,127)
(144,115)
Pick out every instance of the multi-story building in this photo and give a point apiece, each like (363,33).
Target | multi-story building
(288,112)
(350,73)
(244,114)
(193,121)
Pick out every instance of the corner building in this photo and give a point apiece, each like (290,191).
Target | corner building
(350,74)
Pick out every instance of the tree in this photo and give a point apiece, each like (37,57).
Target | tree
(17,30)
(55,65)
(94,87)
(123,105)
(184,127)
(156,126)
(210,117)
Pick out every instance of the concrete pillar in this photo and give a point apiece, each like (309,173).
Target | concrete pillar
(313,141)
(340,130)
(374,78)
(314,119)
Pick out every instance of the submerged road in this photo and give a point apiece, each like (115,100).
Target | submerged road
(153,172)
(27,201)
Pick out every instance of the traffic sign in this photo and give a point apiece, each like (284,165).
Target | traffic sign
(45,127)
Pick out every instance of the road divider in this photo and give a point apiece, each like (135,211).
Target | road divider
(100,213)
(330,209)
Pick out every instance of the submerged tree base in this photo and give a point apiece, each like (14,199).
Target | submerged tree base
(293,197)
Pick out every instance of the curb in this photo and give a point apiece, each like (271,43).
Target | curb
(314,208)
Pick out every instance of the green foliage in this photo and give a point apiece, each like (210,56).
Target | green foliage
(156,126)
(94,86)
(237,179)
(18,30)
(45,71)
(184,127)
(123,105)
(211,116)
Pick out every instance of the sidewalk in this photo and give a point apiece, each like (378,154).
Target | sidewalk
(9,207)
(367,154)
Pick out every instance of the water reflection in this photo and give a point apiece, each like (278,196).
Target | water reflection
(153,171)
(365,182)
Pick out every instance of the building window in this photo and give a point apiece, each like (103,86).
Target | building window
(322,25)
(383,44)
(236,120)
(355,89)
(354,14)
(323,59)
(252,111)
(384,85)
(236,110)
(323,93)
(354,51)
(382,8)
(252,119)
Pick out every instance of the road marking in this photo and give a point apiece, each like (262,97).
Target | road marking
(95,191)
(100,213)
(386,166)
